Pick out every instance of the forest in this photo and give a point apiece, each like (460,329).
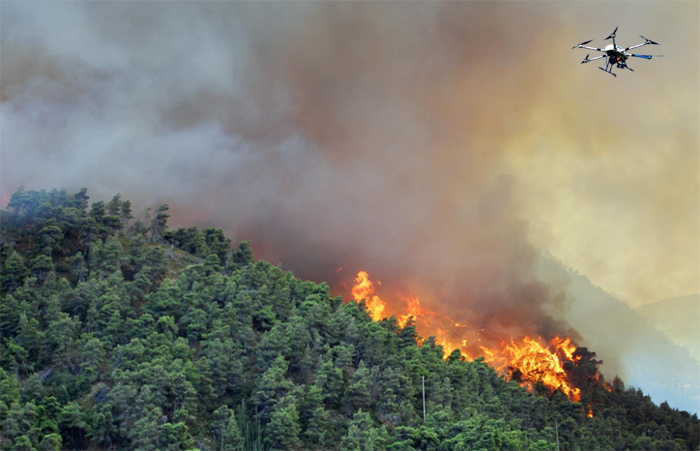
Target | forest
(124,334)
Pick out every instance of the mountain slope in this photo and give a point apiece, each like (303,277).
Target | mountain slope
(629,345)
(679,319)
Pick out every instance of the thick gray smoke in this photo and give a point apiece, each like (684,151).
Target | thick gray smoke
(340,136)
(376,136)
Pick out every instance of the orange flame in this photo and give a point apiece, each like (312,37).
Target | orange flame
(530,361)
(526,360)
(567,347)
(364,289)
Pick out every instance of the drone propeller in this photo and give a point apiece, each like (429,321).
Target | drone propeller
(649,41)
(586,59)
(612,35)
(583,43)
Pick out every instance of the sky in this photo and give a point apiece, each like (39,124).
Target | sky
(441,146)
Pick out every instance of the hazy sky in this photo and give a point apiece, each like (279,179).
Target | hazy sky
(440,146)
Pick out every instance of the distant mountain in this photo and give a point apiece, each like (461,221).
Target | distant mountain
(679,319)
(625,340)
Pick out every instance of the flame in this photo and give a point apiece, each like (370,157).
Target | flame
(364,290)
(566,346)
(413,311)
(527,360)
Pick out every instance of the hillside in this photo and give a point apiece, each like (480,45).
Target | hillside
(679,319)
(625,341)
(127,335)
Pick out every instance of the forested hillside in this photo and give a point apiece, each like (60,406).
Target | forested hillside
(117,334)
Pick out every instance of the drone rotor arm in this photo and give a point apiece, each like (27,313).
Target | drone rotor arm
(582,44)
(587,60)
(647,41)
(635,46)
(589,48)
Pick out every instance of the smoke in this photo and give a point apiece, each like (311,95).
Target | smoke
(439,146)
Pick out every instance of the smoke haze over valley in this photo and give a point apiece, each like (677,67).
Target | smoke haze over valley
(443,147)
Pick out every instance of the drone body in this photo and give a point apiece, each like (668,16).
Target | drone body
(616,55)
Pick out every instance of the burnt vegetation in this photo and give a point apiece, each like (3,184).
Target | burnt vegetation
(122,334)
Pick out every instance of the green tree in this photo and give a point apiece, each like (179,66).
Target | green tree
(79,268)
(159,223)
(80,200)
(364,435)
(357,395)
(312,415)
(13,273)
(175,435)
(22,443)
(144,434)
(282,432)
(272,386)
(226,430)
(125,214)
(50,442)
(41,266)
(50,238)
(225,368)
(330,379)
(31,337)
(114,205)
(73,423)
(242,255)
(98,211)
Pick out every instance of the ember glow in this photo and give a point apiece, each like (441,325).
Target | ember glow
(525,359)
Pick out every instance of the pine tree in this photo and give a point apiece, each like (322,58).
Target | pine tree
(273,386)
(41,266)
(50,238)
(242,255)
(125,214)
(363,435)
(144,434)
(114,205)
(357,395)
(282,432)
(79,268)
(159,223)
(226,429)
(13,273)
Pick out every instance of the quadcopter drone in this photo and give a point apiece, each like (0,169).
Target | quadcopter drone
(616,55)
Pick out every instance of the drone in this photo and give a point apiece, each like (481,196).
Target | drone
(616,55)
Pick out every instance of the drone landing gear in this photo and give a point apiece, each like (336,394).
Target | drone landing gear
(608,68)
(607,71)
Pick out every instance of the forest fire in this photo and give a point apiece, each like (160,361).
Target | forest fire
(526,360)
